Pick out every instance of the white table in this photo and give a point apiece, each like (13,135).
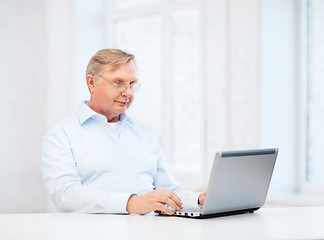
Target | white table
(267,223)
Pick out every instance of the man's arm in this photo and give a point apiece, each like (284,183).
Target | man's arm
(164,179)
(61,178)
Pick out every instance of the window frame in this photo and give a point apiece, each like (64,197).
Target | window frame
(302,96)
(166,9)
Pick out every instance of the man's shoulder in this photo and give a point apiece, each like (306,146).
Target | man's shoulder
(64,125)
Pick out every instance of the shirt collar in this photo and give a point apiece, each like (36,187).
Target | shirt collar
(85,112)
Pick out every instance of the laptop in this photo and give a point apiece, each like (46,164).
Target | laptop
(238,183)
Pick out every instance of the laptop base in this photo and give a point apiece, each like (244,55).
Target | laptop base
(205,216)
(224,214)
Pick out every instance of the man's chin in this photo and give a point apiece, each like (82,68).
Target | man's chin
(121,110)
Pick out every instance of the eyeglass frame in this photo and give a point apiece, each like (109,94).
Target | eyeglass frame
(121,85)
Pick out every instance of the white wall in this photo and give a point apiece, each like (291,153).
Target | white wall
(23,102)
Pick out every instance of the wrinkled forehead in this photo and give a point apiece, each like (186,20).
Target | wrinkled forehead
(125,71)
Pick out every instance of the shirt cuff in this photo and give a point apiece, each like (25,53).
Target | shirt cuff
(117,202)
(191,201)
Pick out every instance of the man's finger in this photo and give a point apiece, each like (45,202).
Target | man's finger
(168,197)
(176,200)
(161,207)
(171,203)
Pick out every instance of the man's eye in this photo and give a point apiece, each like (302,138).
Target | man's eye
(120,83)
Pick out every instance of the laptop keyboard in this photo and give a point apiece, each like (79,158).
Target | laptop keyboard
(187,213)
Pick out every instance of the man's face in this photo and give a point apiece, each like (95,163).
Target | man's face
(106,98)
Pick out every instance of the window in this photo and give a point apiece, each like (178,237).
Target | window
(142,37)
(315,92)
(198,67)
(124,4)
(164,36)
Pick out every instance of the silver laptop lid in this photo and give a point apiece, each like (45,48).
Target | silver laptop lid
(239,180)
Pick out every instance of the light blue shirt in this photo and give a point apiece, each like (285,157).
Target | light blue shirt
(92,166)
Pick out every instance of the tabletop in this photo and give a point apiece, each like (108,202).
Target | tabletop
(266,223)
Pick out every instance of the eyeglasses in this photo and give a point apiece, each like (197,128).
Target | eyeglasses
(122,86)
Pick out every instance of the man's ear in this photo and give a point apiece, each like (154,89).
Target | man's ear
(90,82)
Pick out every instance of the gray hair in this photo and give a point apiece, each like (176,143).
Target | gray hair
(113,57)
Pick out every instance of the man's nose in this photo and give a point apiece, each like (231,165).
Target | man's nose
(128,91)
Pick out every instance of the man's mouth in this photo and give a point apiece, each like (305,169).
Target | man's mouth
(121,103)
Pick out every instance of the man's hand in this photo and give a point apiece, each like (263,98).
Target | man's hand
(201,199)
(154,201)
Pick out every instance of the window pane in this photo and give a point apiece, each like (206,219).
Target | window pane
(142,37)
(123,4)
(315,141)
(187,112)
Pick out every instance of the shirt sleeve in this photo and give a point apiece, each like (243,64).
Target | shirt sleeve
(165,179)
(61,178)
